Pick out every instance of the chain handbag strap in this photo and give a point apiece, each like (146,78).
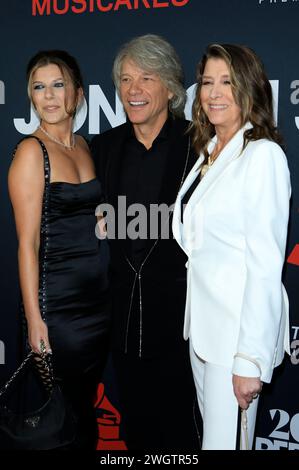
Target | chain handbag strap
(15,374)
(48,382)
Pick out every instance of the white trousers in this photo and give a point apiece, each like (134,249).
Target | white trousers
(218,406)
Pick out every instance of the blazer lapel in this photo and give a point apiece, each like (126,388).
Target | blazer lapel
(230,152)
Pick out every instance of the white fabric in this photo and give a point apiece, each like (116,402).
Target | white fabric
(234,234)
(218,405)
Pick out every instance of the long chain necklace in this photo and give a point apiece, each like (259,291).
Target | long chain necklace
(68,147)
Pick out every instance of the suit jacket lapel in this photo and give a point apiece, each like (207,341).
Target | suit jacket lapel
(113,168)
(175,163)
(180,160)
(112,179)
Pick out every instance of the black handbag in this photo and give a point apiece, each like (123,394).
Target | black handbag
(51,426)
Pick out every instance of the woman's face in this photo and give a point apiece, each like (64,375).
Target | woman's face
(217,98)
(52,94)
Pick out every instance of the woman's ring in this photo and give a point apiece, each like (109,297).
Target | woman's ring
(42,346)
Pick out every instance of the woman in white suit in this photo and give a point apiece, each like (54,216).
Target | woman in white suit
(231,218)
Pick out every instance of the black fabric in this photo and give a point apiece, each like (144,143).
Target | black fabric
(141,175)
(151,358)
(74,294)
(158,407)
(164,273)
(48,425)
(76,283)
(188,194)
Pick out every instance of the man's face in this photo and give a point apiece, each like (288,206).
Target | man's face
(143,95)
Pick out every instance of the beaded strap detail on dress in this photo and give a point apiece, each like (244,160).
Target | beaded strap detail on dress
(44,231)
(44,235)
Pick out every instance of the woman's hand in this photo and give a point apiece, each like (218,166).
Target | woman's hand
(101,227)
(246,389)
(38,337)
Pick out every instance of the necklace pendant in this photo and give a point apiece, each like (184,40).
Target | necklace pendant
(204,169)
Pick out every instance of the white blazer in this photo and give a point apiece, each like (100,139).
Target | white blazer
(234,234)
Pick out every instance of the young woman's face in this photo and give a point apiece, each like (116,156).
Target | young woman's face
(52,95)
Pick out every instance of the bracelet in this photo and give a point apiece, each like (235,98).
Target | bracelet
(248,358)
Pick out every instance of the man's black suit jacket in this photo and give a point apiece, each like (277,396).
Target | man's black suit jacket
(162,283)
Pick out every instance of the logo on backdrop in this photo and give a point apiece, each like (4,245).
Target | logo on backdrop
(295,97)
(2,353)
(295,345)
(276,2)
(2,92)
(55,7)
(293,258)
(99,105)
(285,434)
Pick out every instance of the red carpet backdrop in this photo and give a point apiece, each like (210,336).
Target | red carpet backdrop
(93,30)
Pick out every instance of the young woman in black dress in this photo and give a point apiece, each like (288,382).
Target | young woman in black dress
(63,275)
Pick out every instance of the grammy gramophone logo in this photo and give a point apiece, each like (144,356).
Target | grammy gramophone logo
(293,257)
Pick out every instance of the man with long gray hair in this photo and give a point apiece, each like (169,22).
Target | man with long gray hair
(144,162)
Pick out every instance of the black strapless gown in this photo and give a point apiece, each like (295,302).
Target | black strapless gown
(76,280)
(73,293)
